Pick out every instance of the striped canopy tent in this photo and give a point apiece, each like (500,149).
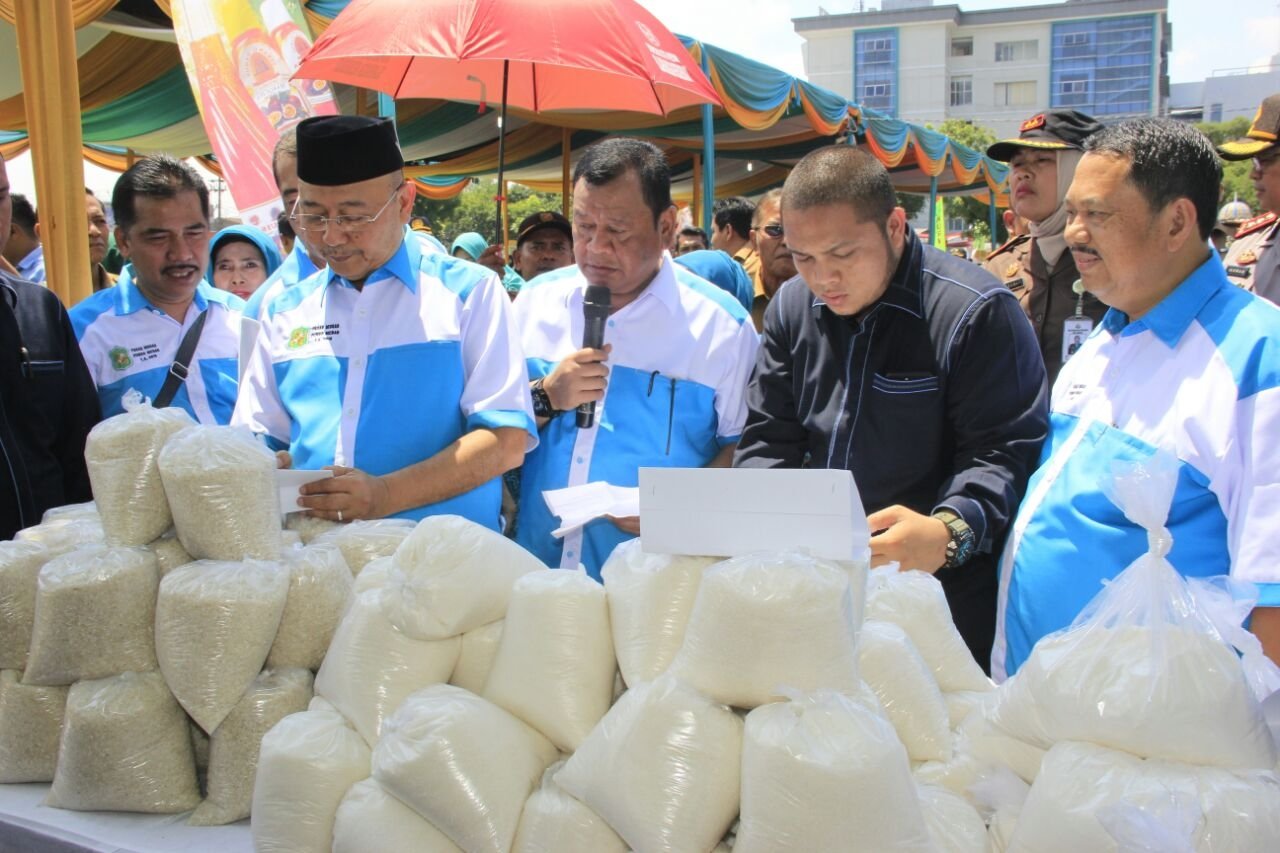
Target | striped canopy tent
(135,99)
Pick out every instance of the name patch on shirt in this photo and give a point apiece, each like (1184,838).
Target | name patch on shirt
(122,358)
(303,335)
(1238,271)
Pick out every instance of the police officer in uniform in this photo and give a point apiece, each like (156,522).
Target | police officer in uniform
(1252,261)
(1040,270)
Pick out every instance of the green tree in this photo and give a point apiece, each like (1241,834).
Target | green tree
(911,203)
(1236,182)
(974,210)
(473,209)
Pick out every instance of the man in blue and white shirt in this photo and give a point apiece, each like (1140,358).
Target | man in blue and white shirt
(1183,364)
(398,367)
(678,352)
(130,334)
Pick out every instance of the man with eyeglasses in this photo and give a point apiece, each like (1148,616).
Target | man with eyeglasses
(776,265)
(162,330)
(1252,261)
(397,368)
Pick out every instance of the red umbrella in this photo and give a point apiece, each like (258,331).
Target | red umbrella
(541,55)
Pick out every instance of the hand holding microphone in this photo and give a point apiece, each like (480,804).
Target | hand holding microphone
(595,313)
(579,380)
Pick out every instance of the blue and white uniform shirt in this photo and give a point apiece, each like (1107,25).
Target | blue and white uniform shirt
(129,343)
(682,354)
(1197,377)
(293,269)
(388,376)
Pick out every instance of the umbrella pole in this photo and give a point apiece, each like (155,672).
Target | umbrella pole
(502,151)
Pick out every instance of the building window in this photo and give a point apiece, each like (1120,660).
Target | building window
(875,69)
(961,91)
(1019,94)
(1215,112)
(1105,66)
(962,47)
(1017,51)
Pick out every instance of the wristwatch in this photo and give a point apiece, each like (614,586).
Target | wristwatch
(962,543)
(542,407)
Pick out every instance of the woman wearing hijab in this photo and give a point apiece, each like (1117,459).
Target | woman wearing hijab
(1038,268)
(722,270)
(471,247)
(241,258)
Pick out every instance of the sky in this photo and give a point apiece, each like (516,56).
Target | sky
(1205,40)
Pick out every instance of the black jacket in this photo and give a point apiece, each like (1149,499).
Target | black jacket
(934,396)
(48,404)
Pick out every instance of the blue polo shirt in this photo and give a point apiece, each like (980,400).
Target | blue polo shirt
(129,343)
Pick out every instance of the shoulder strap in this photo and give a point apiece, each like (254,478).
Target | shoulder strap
(179,369)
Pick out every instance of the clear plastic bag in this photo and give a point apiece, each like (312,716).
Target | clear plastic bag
(362,542)
(221,485)
(770,620)
(650,599)
(554,822)
(915,602)
(906,689)
(234,746)
(463,764)
(371,666)
(169,553)
(87,511)
(823,768)
(475,656)
(663,768)
(64,534)
(30,723)
(1142,668)
(309,527)
(370,819)
(94,613)
(307,764)
(554,668)
(20,564)
(125,747)
(451,575)
(319,586)
(122,455)
(954,826)
(215,622)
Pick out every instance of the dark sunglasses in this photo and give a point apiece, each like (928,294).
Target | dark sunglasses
(774,230)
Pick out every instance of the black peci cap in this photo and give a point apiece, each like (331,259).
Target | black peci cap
(545,219)
(1053,130)
(337,150)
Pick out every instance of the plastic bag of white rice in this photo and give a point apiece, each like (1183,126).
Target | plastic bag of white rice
(122,455)
(30,723)
(125,747)
(463,763)
(319,585)
(221,484)
(169,553)
(475,656)
(554,668)
(650,599)
(821,769)
(954,825)
(454,575)
(362,542)
(215,622)
(905,687)
(371,666)
(20,564)
(662,768)
(64,534)
(766,621)
(307,764)
(87,510)
(308,527)
(95,608)
(370,819)
(553,822)
(234,745)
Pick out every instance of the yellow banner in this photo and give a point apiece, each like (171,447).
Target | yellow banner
(239,56)
(940,224)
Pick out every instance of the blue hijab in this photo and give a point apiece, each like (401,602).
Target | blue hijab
(471,243)
(270,254)
(723,271)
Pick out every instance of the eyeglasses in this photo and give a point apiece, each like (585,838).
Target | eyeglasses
(347,224)
(1263,163)
(773,229)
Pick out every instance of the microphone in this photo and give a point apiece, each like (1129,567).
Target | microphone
(595,311)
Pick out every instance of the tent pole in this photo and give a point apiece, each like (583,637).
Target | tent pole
(933,211)
(697,189)
(708,155)
(566,186)
(500,201)
(47,56)
(992,215)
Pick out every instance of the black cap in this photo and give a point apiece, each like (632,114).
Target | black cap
(1263,135)
(544,219)
(337,150)
(1053,130)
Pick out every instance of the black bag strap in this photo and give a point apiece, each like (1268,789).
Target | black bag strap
(178,371)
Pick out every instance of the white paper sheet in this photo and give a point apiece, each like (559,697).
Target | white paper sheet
(289,480)
(577,505)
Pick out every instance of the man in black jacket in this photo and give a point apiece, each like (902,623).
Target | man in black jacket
(48,402)
(915,370)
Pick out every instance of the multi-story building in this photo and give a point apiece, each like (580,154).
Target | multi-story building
(926,63)
(1226,94)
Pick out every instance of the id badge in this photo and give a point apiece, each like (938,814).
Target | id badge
(1074,331)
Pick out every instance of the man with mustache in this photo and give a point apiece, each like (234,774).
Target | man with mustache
(1039,270)
(544,243)
(396,367)
(776,265)
(1253,261)
(1184,367)
(133,334)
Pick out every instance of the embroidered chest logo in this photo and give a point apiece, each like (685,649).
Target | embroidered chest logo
(120,358)
(298,337)
(304,335)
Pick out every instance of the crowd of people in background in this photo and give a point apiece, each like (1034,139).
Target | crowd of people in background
(980,406)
